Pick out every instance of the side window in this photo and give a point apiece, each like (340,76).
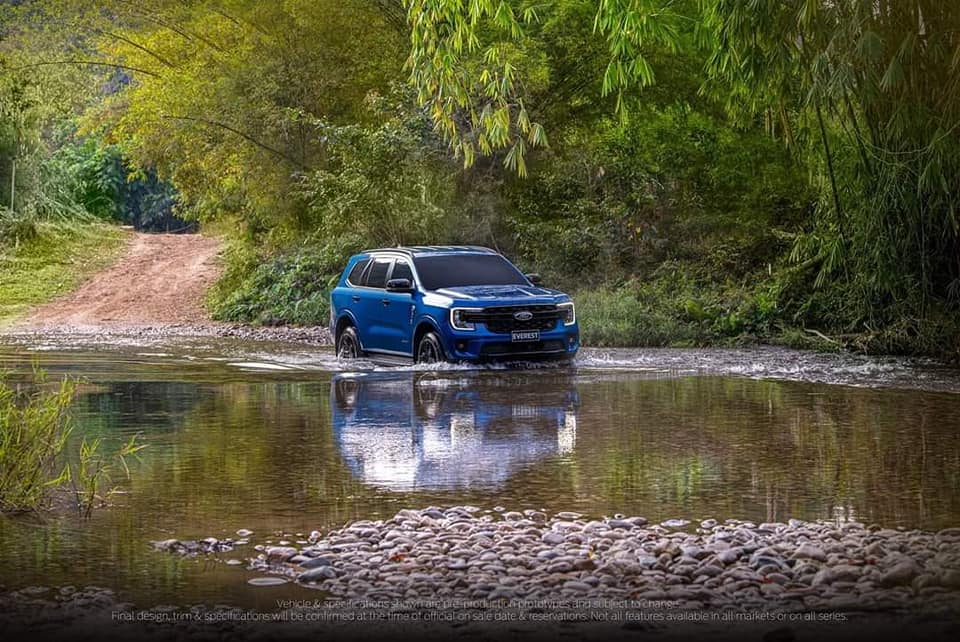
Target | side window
(401,270)
(377,275)
(354,277)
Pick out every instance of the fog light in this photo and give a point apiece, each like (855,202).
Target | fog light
(461,346)
(571,339)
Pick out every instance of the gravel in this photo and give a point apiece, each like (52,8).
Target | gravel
(464,552)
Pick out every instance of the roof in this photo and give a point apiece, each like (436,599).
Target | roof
(420,250)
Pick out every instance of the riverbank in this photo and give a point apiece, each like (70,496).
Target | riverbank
(497,574)
(497,558)
(147,334)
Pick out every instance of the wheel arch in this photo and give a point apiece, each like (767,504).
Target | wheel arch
(346,320)
(425,325)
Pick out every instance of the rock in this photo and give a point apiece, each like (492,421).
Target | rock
(266,581)
(166,544)
(244,532)
(674,523)
(559,566)
(728,556)
(901,574)
(950,578)
(875,549)
(581,587)
(553,538)
(949,534)
(834,574)
(316,562)
(811,552)
(280,553)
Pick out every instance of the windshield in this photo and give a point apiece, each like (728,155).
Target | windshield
(455,270)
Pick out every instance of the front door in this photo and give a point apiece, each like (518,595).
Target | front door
(398,312)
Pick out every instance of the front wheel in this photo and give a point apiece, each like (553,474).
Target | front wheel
(429,350)
(348,344)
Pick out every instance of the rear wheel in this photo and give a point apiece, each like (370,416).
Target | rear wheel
(348,344)
(429,350)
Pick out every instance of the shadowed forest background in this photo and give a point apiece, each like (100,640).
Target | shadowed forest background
(694,172)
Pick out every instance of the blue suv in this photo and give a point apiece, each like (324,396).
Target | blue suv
(448,303)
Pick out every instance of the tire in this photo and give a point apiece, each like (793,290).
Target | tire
(348,344)
(345,393)
(430,350)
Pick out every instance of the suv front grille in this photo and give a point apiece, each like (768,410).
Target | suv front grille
(502,320)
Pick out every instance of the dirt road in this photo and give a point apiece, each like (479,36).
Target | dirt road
(160,280)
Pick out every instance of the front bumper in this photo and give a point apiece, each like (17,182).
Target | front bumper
(482,345)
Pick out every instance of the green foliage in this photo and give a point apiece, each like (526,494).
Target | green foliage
(384,183)
(34,428)
(293,288)
(94,175)
(93,470)
(868,94)
(36,457)
(232,91)
(734,168)
(678,184)
(677,306)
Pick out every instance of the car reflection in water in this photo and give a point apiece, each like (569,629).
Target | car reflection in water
(443,430)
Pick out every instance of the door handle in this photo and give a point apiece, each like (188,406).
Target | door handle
(355,298)
(385,301)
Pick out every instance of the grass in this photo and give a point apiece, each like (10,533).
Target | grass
(51,261)
(34,428)
(35,453)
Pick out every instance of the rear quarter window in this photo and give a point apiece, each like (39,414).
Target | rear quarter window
(354,277)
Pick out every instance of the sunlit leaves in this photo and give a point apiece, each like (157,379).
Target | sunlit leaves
(464,56)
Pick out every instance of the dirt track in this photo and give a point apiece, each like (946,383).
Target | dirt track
(160,280)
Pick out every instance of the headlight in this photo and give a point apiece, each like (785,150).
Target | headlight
(567,313)
(457,322)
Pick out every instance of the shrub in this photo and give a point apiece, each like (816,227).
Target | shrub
(291,288)
(34,428)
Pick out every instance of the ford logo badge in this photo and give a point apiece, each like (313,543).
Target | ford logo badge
(523,315)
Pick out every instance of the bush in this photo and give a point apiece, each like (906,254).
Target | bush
(292,288)
(16,228)
(34,428)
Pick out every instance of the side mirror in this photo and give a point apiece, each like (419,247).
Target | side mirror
(534,278)
(399,285)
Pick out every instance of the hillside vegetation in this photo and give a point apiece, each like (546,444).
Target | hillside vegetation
(694,171)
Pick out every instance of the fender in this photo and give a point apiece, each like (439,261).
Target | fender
(349,314)
(431,319)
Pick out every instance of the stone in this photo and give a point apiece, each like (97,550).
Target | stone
(834,574)
(280,553)
(810,552)
(316,562)
(900,574)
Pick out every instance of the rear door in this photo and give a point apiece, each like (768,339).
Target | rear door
(370,307)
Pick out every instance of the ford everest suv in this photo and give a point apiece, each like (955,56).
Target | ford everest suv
(448,303)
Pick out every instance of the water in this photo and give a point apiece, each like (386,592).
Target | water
(281,439)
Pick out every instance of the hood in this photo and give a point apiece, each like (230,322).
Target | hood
(521,293)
